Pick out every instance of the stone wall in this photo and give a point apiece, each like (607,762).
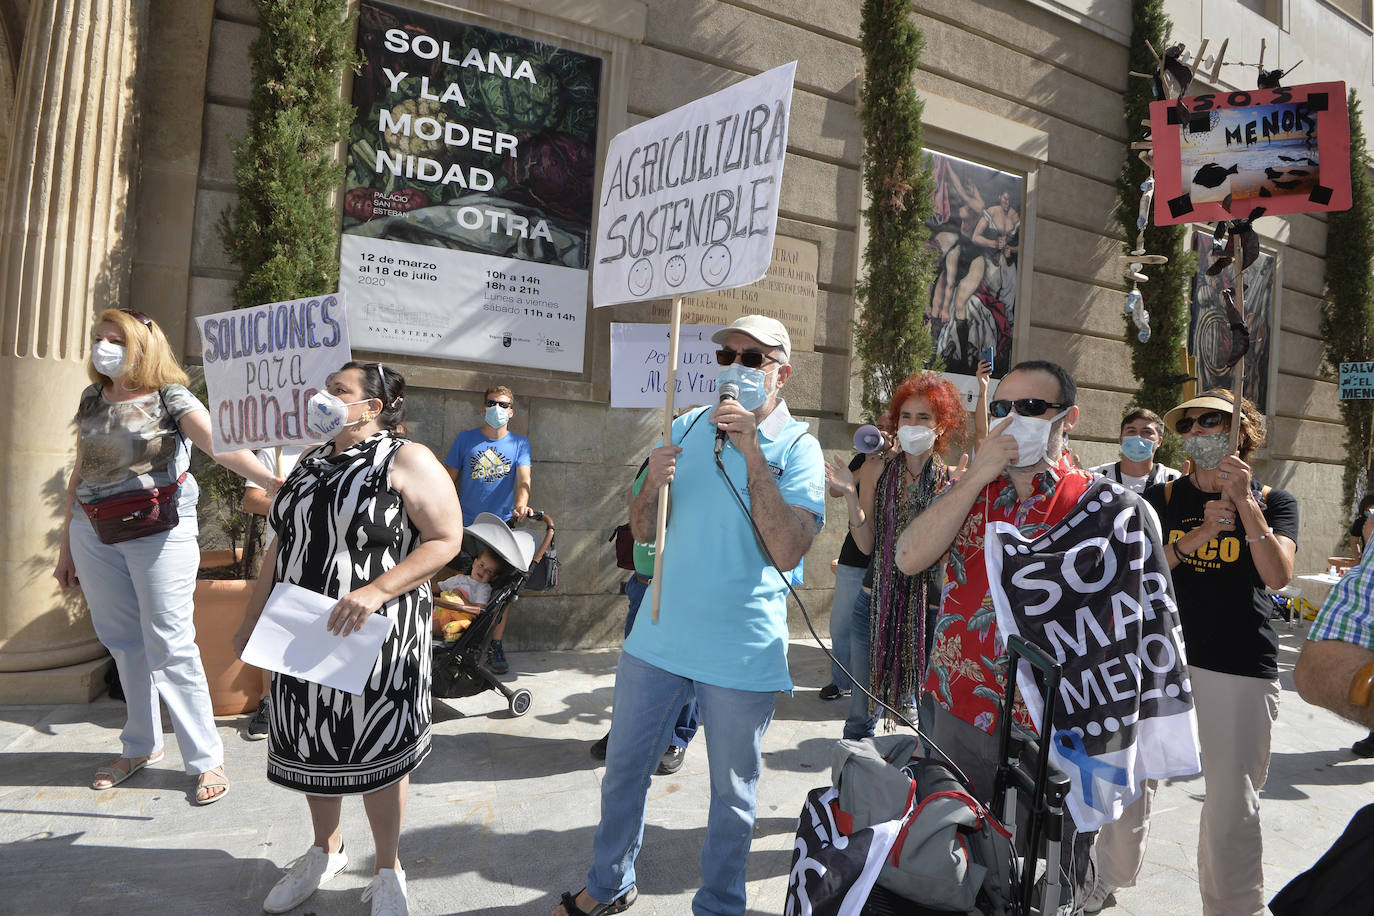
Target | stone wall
(1023,85)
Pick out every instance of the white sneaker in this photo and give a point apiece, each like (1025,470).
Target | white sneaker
(1097,898)
(388,893)
(303,878)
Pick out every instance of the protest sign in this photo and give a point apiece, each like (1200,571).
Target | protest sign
(639,365)
(1094,592)
(689,199)
(467,210)
(262,365)
(1357,381)
(787,292)
(1220,156)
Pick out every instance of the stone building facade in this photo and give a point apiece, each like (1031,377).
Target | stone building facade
(116,121)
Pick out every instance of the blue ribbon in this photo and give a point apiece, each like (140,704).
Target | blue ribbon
(1089,767)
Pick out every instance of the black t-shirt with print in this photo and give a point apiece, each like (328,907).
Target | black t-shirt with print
(1221,599)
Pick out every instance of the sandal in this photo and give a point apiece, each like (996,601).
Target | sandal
(111,775)
(211,779)
(618,905)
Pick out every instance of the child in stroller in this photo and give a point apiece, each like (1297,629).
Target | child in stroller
(460,666)
(460,598)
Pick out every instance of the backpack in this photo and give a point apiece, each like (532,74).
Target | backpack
(950,854)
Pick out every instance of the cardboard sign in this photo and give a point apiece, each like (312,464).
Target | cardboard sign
(639,365)
(689,199)
(1357,381)
(1286,150)
(787,292)
(263,364)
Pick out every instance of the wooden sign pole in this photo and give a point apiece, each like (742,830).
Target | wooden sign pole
(663,495)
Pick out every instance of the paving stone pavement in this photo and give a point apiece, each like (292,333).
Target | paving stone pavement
(501,814)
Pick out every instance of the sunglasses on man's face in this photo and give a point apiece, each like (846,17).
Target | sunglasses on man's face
(1026,407)
(750,359)
(1210,420)
(492,402)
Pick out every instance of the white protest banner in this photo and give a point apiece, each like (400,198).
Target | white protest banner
(469,191)
(262,365)
(689,199)
(639,365)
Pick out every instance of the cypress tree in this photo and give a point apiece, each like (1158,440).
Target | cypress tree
(1347,323)
(1167,294)
(891,336)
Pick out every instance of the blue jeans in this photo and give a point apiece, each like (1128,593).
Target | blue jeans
(141,595)
(687,719)
(847,582)
(860,724)
(646,701)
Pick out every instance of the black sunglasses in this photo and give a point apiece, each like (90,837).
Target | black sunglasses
(750,359)
(1026,407)
(1210,420)
(139,317)
(492,402)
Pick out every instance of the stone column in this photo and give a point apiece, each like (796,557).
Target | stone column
(63,257)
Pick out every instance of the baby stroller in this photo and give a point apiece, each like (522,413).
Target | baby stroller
(947,854)
(460,667)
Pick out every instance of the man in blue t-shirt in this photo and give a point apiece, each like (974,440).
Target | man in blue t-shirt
(721,635)
(490,466)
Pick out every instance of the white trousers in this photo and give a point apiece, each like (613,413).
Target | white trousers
(141,595)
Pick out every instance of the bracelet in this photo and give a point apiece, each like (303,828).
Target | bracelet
(1255,540)
(1182,557)
(859,525)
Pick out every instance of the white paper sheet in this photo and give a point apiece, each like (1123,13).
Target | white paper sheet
(291,638)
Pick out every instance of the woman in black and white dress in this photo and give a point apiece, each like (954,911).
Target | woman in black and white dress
(367,518)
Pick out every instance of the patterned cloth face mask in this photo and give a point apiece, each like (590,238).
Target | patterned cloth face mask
(1208,450)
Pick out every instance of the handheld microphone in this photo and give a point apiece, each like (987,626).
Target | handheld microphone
(728,392)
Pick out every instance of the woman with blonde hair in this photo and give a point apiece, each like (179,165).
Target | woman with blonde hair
(129,541)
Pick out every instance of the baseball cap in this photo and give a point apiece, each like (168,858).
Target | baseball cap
(768,331)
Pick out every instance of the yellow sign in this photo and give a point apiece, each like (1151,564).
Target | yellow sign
(787,292)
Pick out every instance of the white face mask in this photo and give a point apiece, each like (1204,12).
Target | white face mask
(326,415)
(916,440)
(108,358)
(1032,435)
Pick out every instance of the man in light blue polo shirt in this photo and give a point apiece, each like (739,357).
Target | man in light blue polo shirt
(722,631)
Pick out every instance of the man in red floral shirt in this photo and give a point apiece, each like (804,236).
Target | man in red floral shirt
(1012,478)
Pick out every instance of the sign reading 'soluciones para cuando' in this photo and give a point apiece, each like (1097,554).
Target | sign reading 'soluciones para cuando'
(689,199)
(263,364)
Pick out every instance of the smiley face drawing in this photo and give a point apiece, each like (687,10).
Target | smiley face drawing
(641,277)
(675,271)
(715,264)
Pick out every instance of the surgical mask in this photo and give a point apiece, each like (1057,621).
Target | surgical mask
(1208,450)
(325,414)
(108,358)
(497,416)
(752,383)
(1032,435)
(916,440)
(1137,448)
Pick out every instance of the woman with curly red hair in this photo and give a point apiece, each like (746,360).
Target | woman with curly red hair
(888,638)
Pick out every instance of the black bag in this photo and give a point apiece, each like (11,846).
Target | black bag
(1341,881)
(544,572)
(624,547)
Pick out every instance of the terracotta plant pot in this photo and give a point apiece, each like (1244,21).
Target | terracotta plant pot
(235,688)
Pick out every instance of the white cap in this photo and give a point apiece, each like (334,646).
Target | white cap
(768,331)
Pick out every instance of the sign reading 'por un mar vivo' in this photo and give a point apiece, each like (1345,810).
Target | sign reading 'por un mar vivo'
(689,199)
(470,182)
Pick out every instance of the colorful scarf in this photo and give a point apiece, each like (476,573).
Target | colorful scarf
(897,621)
